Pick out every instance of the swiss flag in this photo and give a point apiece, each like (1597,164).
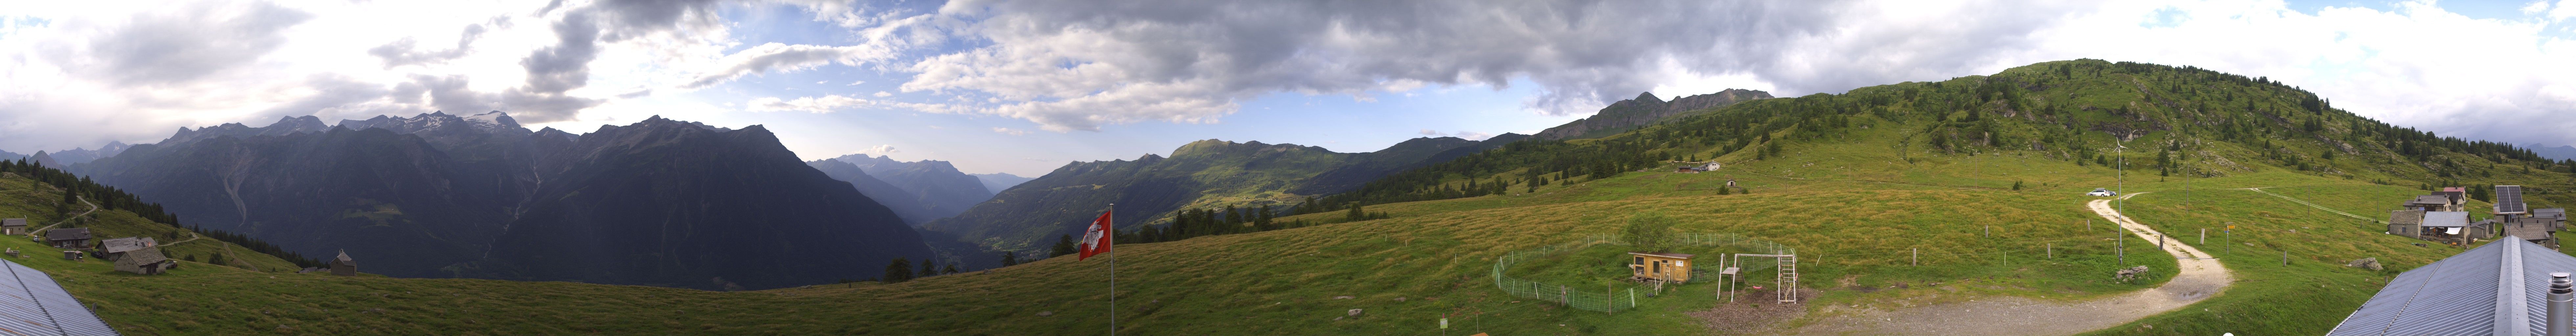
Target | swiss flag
(1096,239)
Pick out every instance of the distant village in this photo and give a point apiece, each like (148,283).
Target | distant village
(2441,217)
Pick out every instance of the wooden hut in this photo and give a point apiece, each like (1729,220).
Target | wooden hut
(13,226)
(1673,267)
(72,238)
(145,261)
(342,265)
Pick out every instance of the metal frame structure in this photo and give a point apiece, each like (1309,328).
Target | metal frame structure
(1785,277)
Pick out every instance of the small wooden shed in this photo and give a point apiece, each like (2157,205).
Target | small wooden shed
(13,226)
(1674,267)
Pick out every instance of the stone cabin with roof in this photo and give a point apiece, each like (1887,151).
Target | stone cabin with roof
(72,238)
(116,248)
(342,265)
(146,261)
(13,226)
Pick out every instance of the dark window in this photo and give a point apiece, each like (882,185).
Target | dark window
(1640,261)
(1659,266)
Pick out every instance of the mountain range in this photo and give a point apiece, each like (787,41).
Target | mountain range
(1206,173)
(1631,114)
(659,202)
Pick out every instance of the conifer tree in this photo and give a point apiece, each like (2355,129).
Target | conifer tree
(1063,246)
(929,267)
(898,271)
(1010,259)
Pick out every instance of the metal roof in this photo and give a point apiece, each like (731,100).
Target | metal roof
(32,304)
(1663,254)
(2495,289)
(13,222)
(2446,218)
(114,245)
(2550,213)
(2431,199)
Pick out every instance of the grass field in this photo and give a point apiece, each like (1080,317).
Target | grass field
(1856,211)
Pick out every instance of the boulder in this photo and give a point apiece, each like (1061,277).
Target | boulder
(1355,312)
(1344,297)
(2370,263)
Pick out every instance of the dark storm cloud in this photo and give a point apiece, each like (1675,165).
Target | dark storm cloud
(188,44)
(1078,64)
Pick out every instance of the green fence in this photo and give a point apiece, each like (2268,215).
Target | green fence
(1596,299)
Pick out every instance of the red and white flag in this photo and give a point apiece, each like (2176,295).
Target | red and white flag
(1096,239)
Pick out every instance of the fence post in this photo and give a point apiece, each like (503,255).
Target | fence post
(2204,236)
(1918,256)
(2052,250)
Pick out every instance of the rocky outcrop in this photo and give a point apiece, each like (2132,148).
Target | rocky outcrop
(1645,110)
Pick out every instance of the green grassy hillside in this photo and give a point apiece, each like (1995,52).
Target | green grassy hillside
(1984,179)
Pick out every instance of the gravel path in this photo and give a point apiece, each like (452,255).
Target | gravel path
(2201,277)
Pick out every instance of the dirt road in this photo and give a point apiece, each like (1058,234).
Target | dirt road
(2201,277)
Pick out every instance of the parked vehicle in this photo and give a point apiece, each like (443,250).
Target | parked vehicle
(2102,192)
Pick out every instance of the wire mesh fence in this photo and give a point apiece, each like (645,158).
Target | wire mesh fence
(1602,299)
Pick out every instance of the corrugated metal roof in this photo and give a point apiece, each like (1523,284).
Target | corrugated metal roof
(32,304)
(2497,289)
(2446,218)
(2431,200)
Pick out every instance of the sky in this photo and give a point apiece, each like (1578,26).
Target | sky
(1023,87)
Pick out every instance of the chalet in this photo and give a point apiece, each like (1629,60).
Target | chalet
(343,266)
(115,248)
(1711,165)
(2457,194)
(145,261)
(2501,288)
(72,238)
(2453,227)
(13,226)
(2536,230)
(2432,203)
(2557,217)
(1659,266)
(2406,223)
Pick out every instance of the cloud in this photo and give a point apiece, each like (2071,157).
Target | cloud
(1007,130)
(1075,65)
(193,42)
(835,103)
(1427,131)
(882,94)
(784,57)
(404,51)
(879,150)
(1472,135)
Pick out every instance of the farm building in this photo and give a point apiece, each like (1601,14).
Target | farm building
(2452,227)
(13,226)
(2497,289)
(343,266)
(1673,267)
(72,238)
(116,248)
(2432,203)
(2406,223)
(36,305)
(2457,194)
(145,261)
(2532,229)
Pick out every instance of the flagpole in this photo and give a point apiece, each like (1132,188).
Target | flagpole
(1111,236)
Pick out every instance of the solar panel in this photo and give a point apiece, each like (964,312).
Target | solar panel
(2509,199)
(34,305)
